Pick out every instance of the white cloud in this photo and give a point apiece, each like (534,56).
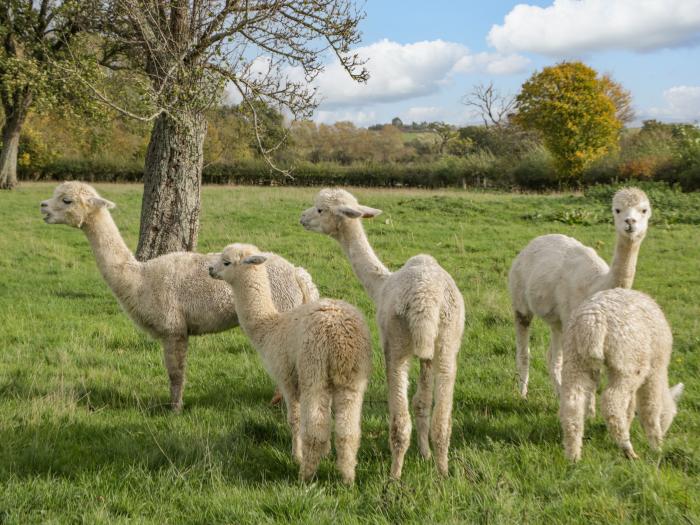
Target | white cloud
(682,104)
(572,27)
(405,71)
(359,118)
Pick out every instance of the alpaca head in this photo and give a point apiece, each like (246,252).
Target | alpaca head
(73,203)
(631,211)
(235,258)
(332,208)
(670,406)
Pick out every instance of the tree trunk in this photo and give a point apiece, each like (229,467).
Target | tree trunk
(14,119)
(172,184)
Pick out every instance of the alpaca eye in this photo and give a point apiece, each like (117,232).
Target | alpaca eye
(617,210)
(226,263)
(644,211)
(67,201)
(320,210)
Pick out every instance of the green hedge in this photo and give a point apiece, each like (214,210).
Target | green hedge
(448,173)
(534,172)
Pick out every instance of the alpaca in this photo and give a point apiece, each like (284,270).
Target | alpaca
(170,297)
(420,312)
(627,332)
(320,355)
(553,274)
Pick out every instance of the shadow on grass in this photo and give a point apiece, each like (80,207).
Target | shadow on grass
(254,452)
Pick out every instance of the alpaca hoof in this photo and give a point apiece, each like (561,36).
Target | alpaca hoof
(442,468)
(523,391)
(348,479)
(426,453)
(629,452)
(572,455)
(176,408)
(276,398)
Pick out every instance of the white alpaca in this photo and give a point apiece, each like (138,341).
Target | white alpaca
(553,274)
(627,332)
(170,297)
(320,355)
(420,312)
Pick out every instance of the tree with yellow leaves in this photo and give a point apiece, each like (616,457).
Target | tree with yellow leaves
(569,104)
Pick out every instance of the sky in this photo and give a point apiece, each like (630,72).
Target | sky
(425,55)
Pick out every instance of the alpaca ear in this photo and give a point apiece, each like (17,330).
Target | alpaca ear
(351,213)
(255,259)
(99,202)
(677,391)
(368,213)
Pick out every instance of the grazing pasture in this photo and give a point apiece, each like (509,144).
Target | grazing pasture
(86,435)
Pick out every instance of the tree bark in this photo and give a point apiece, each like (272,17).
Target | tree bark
(172,186)
(14,119)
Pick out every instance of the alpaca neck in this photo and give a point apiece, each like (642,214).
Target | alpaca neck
(254,305)
(624,263)
(365,263)
(114,259)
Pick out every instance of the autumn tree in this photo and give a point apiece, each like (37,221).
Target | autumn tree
(187,51)
(33,38)
(569,105)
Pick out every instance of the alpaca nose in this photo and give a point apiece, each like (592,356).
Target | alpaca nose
(631,220)
(44,204)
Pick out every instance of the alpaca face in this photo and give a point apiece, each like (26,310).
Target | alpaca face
(225,265)
(670,407)
(332,209)
(73,203)
(631,211)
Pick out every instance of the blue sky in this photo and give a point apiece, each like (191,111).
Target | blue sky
(424,55)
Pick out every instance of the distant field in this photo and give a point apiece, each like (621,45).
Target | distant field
(85,437)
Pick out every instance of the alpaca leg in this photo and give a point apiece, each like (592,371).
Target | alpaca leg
(555,358)
(347,407)
(615,403)
(441,427)
(400,420)
(315,429)
(294,421)
(590,395)
(650,395)
(422,403)
(522,350)
(575,388)
(175,353)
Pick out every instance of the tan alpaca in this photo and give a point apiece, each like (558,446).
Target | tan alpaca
(171,297)
(553,274)
(320,355)
(625,332)
(420,312)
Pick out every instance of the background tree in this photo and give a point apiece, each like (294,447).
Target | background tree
(268,51)
(490,104)
(33,37)
(444,133)
(569,105)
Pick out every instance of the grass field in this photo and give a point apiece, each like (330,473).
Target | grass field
(85,436)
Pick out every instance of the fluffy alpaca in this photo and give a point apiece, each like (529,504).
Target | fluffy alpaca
(319,353)
(627,332)
(553,274)
(420,312)
(170,297)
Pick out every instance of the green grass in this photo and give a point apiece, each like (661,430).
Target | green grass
(85,437)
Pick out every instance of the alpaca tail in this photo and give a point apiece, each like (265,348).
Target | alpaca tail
(308,289)
(588,334)
(423,318)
